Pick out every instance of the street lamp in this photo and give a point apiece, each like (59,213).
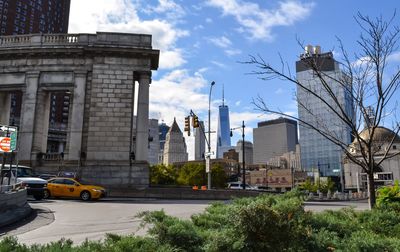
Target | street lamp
(243,156)
(208,168)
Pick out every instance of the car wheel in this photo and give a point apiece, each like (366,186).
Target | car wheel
(46,194)
(85,195)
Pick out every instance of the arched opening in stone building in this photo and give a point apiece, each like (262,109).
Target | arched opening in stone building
(58,122)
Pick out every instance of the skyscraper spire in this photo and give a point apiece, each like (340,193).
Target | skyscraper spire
(223,98)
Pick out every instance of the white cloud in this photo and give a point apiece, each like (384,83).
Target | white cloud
(178,92)
(222,42)
(233,52)
(209,20)
(279,91)
(173,11)
(394,57)
(90,16)
(361,62)
(225,43)
(259,22)
(219,64)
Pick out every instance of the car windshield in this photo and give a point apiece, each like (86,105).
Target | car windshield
(24,172)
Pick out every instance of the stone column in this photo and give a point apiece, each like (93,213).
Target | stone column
(142,122)
(75,118)
(41,127)
(28,108)
(5,106)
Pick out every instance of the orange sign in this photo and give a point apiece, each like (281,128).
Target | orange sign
(5,144)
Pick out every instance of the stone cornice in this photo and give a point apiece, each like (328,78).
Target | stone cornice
(79,45)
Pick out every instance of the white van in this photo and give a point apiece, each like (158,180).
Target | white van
(239,185)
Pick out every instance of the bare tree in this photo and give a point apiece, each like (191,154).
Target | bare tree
(366,82)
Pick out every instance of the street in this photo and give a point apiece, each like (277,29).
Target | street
(77,220)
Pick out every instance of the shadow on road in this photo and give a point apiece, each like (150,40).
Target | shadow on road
(34,214)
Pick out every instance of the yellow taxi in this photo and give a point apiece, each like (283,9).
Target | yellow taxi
(71,188)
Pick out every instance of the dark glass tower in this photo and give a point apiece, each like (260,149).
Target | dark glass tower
(33,16)
(318,153)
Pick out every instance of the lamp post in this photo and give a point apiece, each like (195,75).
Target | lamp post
(243,157)
(208,168)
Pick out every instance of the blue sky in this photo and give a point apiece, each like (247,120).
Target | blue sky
(205,40)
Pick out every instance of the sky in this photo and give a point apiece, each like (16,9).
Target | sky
(201,41)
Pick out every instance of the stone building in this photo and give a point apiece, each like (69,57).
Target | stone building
(288,160)
(383,140)
(199,142)
(248,152)
(273,138)
(100,71)
(175,146)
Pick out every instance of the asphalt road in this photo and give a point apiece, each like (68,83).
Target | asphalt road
(77,220)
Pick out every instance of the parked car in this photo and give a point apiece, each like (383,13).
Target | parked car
(67,174)
(71,188)
(26,178)
(239,185)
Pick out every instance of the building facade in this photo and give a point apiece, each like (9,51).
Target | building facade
(273,138)
(199,142)
(387,172)
(33,16)
(154,142)
(162,132)
(288,160)
(317,152)
(248,152)
(175,147)
(223,132)
(39,16)
(101,72)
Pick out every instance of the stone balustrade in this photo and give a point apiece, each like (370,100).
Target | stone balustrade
(100,38)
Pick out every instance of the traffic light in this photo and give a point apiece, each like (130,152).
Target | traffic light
(187,125)
(196,121)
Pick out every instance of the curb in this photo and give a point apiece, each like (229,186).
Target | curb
(13,215)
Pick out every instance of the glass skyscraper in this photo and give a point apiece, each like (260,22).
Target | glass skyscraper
(317,152)
(223,133)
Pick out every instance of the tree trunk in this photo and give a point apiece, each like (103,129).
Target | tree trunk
(371,190)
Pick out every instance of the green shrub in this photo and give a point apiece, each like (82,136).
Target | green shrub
(382,222)
(388,194)
(369,242)
(342,222)
(170,230)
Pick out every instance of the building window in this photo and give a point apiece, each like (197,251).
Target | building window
(394,147)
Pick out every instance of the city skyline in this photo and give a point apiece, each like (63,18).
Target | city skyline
(204,41)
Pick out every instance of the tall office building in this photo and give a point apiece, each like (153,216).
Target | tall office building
(175,147)
(154,142)
(248,152)
(33,16)
(224,129)
(199,142)
(273,138)
(316,151)
(162,131)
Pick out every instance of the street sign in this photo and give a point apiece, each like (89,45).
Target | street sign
(5,144)
(207,164)
(8,138)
